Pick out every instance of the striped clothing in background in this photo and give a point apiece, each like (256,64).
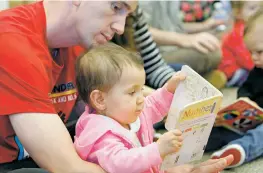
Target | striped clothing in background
(137,36)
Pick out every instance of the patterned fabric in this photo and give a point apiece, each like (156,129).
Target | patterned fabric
(138,38)
(196,10)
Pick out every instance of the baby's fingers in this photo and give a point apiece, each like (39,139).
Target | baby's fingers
(179,76)
(176,132)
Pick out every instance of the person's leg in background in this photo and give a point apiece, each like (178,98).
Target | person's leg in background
(204,64)
(220,137)
(244,149)
(239,77)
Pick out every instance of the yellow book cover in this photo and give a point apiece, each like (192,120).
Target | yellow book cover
(193,111)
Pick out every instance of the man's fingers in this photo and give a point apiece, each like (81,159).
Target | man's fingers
(229,159)
(213,166)
(217,166)
(180,169)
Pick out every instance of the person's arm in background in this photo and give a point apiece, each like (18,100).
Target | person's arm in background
(48,142)
(157,71)
(203,42)
(195,27)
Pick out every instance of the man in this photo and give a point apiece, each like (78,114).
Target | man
(35,86)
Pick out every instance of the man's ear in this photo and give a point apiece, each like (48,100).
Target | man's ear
(97,99)
(76,2)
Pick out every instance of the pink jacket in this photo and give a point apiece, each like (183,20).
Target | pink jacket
(103,141)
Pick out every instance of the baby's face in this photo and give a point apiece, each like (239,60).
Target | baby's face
(254,42)
(125,100)
(249,9)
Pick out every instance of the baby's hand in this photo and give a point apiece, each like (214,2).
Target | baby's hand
(172,84)
(170,142)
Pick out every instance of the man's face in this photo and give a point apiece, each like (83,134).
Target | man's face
(98,21)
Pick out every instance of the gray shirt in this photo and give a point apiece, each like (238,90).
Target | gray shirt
(164,15)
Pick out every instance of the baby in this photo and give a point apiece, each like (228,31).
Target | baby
(116,129)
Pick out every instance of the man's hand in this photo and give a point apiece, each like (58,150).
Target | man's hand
(213,165)
(210,166)
(172,84)
(203,42)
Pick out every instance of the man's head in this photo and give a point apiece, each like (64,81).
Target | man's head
(86,22)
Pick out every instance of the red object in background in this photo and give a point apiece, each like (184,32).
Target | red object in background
(185,6)
(189,17)
(199,14)
(197,7)
(235,53)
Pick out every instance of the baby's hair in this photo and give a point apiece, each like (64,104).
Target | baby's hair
(101,68)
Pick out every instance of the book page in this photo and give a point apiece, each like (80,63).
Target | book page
(193,111)
(193,89)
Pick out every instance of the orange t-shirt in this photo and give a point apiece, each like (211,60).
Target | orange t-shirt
(30,79)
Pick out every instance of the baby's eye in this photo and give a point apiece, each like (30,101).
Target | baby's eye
(132,92)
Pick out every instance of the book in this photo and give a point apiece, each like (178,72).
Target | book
(240,116)
(195,105)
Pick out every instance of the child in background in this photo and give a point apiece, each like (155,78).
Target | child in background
(236,62)
(116,131)
(249,146)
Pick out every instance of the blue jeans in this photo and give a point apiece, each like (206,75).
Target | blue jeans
(239,77)
(251,142)
(176,66)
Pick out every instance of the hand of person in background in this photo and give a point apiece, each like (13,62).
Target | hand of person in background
(203,42)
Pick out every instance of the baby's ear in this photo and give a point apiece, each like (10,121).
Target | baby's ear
(97,99)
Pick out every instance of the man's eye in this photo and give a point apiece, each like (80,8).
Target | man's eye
(117,6)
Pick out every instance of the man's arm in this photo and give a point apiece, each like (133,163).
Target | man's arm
(48,142)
